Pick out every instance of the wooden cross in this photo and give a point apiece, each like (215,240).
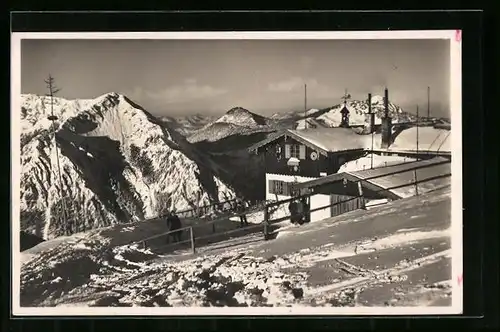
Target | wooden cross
(346,97)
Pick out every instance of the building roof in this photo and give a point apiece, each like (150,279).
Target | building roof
(396,180)
(333,139)
(272,137)
(329,140)
(325,140)
(429,139)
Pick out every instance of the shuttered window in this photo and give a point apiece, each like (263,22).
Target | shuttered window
(295,151)
(287,151)
(302,152)
(279,187)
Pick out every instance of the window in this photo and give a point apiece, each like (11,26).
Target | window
(295,151)
(279,187)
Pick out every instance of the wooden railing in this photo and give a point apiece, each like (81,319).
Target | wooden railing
(267,224)
(415,182)
(143,242)
(204,209)
(213,222)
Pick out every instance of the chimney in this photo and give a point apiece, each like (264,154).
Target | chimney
(372,115)
(386,123)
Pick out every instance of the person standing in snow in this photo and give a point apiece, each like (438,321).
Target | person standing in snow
(300,211)
(293,209)
(306,208)
(169,225)
(241,210)
(174,223)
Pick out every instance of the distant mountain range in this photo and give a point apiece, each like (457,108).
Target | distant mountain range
(121,164)
(241,121)
(188,123)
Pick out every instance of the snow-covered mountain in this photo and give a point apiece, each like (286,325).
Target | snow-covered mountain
(242,117)
(235,121)
(118,164)
(188,123)
(285,115)
(358,114)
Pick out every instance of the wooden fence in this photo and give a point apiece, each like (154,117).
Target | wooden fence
(415,182)
(205,209)
(268,225)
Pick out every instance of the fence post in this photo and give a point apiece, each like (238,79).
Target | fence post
(266,222)
(415,181)
(191,235)
(362,199)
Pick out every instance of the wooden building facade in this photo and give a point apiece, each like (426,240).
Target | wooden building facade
(297,156)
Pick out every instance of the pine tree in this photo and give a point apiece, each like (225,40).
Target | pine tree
(52,90)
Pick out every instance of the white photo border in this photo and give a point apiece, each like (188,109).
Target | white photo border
(454,36)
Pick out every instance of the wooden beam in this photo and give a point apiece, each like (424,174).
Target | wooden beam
(415,180)
(191,234)
(266,222)
(360,193)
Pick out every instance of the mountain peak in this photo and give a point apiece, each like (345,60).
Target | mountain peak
(112,94)
(242,117)
(238,109)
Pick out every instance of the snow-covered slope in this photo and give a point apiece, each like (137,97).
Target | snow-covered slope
(398,252)
(118,164)
(359,113)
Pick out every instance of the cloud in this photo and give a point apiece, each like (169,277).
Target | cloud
(288,85)
(190,81)
(294,84)
(188,91)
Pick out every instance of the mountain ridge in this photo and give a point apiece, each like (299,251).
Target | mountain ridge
(118,164)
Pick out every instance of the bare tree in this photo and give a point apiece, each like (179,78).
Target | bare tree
(52,91)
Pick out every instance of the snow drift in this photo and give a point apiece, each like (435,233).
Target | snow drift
(321,264)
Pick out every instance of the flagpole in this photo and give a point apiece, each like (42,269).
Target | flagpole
(417,132)
(428,102)
(372,123)
(305,106)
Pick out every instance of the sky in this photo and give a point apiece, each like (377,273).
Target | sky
(177,77)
